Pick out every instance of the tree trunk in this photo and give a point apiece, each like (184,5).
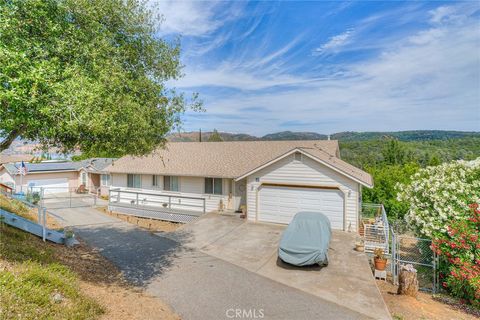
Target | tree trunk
(408,282)
(10,138)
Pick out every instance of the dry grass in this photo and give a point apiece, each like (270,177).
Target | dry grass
(22,210)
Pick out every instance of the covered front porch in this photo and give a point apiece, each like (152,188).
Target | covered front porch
(167,205)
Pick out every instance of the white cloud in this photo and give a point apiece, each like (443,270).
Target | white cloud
(441,13)
(428,79)
(226,76)
(336,42)
(192,18)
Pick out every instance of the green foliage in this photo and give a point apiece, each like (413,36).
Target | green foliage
(415,135)
(391,161)
(215,136)
(438,195)
(87,75)
(459,252)
(394,153)
(370,152)
(33,197)
(386,178)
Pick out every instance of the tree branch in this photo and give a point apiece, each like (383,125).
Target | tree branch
(11,137)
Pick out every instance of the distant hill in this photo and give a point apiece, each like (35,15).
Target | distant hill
(194,136)
(415,135)
(289,135)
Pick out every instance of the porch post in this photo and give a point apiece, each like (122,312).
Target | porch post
(234,195)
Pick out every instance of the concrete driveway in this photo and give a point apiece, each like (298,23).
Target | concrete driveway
(347,281)
(219,267)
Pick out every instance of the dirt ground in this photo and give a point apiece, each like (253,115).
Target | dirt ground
(146,223)
(101,280)
(425,306)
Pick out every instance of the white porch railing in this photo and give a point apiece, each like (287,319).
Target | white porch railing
(374,227)
(156,200)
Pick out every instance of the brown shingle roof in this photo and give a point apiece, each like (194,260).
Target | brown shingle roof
(228,159)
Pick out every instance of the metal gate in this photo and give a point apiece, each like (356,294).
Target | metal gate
(417,252)
(59,197)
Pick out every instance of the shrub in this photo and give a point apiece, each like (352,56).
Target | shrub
(438,195)
(459,251)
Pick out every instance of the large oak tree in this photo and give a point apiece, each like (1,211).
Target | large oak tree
(87,75)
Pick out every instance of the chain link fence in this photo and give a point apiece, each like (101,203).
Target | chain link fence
(408,249)
(59,197)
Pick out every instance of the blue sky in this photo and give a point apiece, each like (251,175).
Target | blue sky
(327,67)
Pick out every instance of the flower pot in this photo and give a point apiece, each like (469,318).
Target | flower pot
(360,247)
(380,264)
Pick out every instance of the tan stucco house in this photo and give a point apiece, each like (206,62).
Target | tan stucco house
(273,179)
(58,176)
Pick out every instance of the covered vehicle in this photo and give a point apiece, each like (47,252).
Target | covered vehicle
(306,240)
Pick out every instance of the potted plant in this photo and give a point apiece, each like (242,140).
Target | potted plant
(360,246)
(379,259)
(69,238)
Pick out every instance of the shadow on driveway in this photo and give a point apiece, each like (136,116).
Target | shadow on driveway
(139,254)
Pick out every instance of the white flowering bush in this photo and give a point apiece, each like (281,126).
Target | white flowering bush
(440,194)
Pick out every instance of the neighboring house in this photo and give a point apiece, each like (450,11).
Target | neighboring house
(58,177)
(273,179)
(5,189)
(94,176)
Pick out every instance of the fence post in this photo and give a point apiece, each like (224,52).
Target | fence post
(138,203)
(42,195)
(70,198)
(169,202)
(95,200)
(44,223)
(39,215)
(204,205)
(394,257)
(435,273)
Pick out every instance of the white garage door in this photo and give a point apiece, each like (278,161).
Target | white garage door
(279,204)
(59,185)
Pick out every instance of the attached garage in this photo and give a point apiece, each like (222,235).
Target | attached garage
(306,180)
(58,185)
(280,203)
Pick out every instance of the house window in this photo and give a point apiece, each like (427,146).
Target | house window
(170,183)
(213,185)
(134,181)
(84,178)
(105,180)
(156,181)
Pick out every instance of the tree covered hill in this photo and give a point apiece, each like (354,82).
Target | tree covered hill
(415,135)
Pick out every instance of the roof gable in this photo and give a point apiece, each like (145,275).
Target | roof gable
(326,159)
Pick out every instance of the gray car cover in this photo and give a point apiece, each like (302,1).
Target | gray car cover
(306,240)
